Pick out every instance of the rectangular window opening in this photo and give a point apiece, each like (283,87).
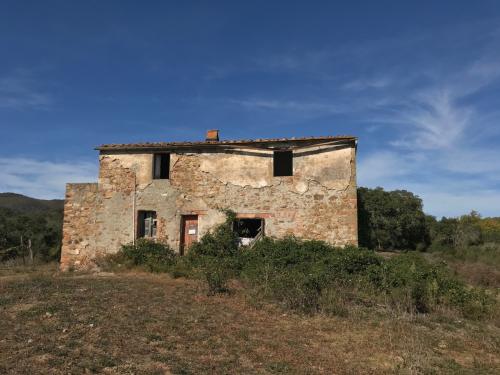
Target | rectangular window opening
(248,230)
(283,163)
(146,224)
(161,166)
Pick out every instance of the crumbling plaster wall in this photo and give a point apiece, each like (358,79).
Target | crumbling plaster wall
(317,202)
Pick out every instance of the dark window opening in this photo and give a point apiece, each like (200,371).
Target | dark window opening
(161,166)
(248,228)
(283,163)
(146,224)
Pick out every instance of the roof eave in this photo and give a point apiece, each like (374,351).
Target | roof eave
(221,144)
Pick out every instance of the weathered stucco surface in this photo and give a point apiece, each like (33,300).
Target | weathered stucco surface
(317,202)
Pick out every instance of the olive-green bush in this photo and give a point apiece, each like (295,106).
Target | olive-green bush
(313,276)
(217,256)
(310,276)
(155,256)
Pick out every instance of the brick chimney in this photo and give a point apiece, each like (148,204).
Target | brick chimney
(212,135)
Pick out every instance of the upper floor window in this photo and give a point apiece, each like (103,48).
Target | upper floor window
(161,166)
(283,163)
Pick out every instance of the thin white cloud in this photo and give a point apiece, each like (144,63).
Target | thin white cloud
(43,179)
(19,91)
(304,61)
(437,128)
(433,120)
(381,166)
(473,161)
(287,105)
(447,197)
(279,62)
(448,202)
(369,83)
(450,169)
(444,195)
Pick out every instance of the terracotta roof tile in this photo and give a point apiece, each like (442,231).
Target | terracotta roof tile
(158,145)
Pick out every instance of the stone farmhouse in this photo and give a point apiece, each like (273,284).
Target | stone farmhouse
(175,192)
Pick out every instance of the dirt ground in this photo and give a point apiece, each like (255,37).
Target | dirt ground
(53,323)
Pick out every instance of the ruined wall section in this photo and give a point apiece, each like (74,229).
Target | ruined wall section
(79,225)
(317,202)
(115,215)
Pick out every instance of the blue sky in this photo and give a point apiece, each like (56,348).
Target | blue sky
(418,82)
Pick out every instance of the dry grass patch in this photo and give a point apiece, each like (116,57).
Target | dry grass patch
(153,324)
(477,274)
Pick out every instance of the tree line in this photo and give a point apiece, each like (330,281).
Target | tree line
(30,235)
(395,220)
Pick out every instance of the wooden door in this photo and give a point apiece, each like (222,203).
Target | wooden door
(189,231)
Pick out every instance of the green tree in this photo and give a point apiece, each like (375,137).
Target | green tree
(391,220)
(41,229)
(457,232)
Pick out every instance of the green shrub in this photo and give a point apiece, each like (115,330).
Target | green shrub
(216,255)
(221,242)
(155,256)
(312,276)
(486,253)
(182,267)
(419,286)
(217,272)
(299,274)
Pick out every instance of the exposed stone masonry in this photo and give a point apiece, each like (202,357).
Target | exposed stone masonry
(79,226)
(317,202)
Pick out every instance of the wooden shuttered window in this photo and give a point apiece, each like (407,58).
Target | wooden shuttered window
(146,224)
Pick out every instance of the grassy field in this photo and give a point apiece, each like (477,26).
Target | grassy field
(477,265)
(138,323)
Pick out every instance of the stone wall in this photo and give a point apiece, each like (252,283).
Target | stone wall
(80,229)
(317,202)
(115,213)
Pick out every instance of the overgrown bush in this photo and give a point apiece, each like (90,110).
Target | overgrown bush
(312,276)
(296,273)
(490,229)
(416,285)
(221,242)
(216,255)
(155,256)
(478,265)
(456,233)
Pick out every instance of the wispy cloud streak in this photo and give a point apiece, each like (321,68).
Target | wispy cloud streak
(19,91)
(43,179)
(287,105)
(433,118)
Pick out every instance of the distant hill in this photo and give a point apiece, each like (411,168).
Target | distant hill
(23,203)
